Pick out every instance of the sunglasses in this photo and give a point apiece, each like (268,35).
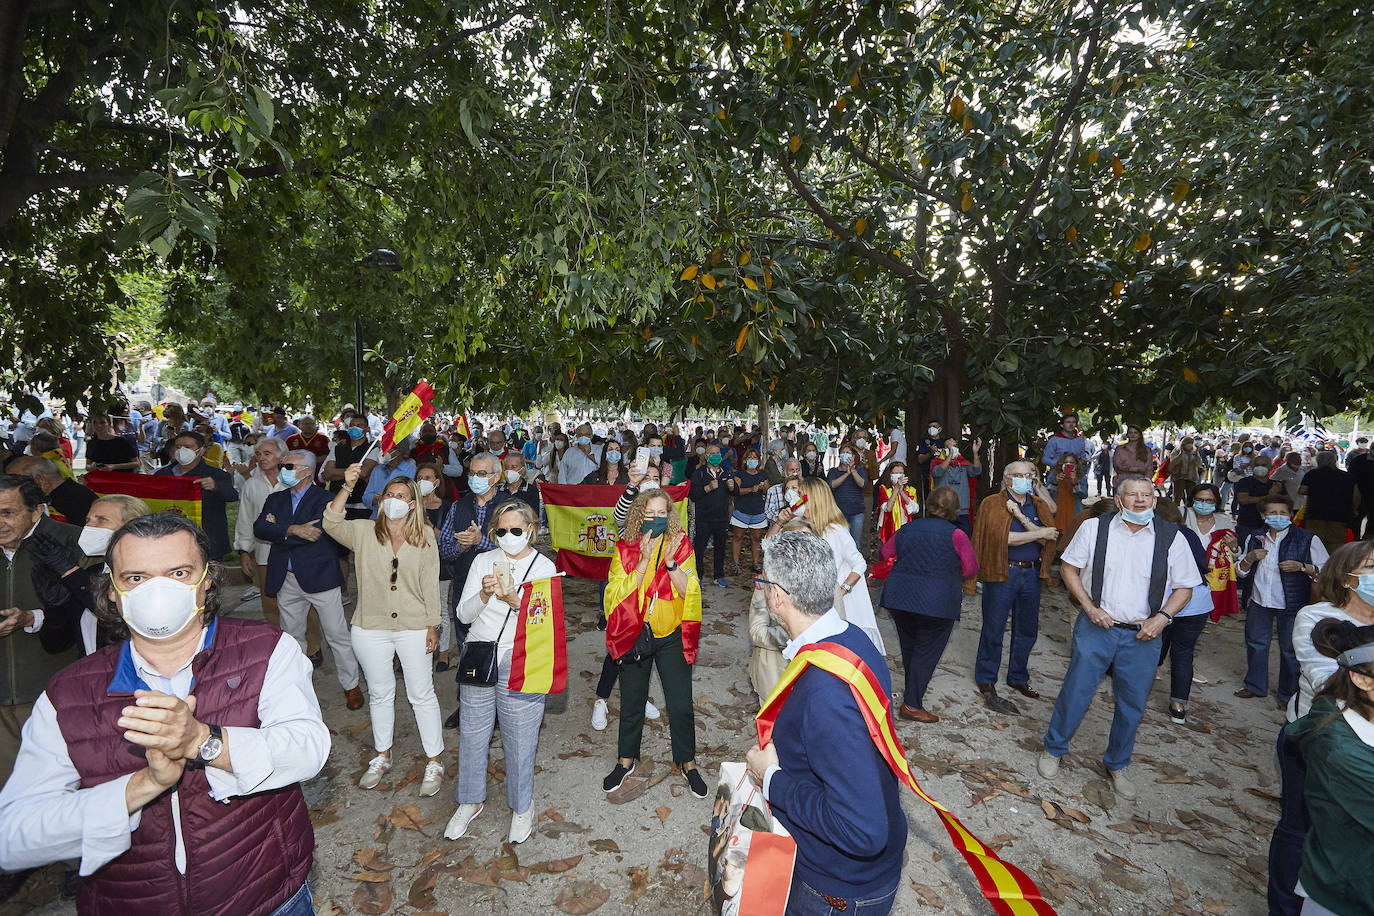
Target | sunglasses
(502,532)
(395,568)
(761,582)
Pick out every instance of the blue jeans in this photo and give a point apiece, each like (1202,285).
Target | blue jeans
(1259,630)
(1179,641)
(856,528)
(1285,848)
(1132,662)
(298,904)
(803,900)
(521,715)
(1018,598)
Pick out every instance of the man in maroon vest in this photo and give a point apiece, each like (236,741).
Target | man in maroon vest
(176,802)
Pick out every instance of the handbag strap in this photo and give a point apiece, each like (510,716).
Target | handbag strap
(523,579)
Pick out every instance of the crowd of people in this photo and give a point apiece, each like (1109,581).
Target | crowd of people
(114,636)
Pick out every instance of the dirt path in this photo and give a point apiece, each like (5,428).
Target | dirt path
(1194,842)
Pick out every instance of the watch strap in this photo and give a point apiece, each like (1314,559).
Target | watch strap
(216,734)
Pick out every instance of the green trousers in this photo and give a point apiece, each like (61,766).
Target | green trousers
(676,676)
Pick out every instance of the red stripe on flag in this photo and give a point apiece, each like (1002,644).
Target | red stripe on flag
(560,659)
(143,486)
(517,671)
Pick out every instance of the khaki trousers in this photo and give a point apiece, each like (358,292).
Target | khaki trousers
(270,612)
(12,719)
(1332,534)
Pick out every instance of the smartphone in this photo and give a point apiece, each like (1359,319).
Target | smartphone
(642,460)
(501,570)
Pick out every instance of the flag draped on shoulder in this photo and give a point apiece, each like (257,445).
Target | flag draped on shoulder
(417,406)
(539,662)
(1221,577)
(624,621)
(1005,886)
(162,492)
(582,524)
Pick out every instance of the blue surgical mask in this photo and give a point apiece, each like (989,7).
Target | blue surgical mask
(1366,587)
(1021,485)
(612,457)
(1138,518)
(1204,508)
(751,463)
(584,440)
(288,477)
(655,451)
(354,432)
(478,485)
(1278,522)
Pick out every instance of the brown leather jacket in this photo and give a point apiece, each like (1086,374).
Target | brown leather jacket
(990,531)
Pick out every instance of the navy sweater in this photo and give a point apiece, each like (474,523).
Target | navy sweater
(835,794)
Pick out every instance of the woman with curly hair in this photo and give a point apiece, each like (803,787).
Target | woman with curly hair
(654,587)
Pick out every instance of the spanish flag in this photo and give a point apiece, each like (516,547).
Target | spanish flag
(1221,576)
(162,493)
(582,524)
(461,426)
(539,663)
(1006,887)
(418,405)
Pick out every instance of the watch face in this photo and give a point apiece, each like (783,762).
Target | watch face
(211,749)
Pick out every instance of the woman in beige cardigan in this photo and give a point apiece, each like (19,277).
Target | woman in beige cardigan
(397,562)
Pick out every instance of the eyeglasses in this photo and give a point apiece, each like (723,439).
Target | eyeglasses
(1022,476)
(760,582)
(395,568)
(502,532)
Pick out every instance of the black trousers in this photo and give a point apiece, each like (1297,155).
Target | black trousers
(923,639)
(709,530)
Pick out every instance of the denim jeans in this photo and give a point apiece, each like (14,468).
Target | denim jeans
(1018,598)
(1285,848)
(521,715)
(856,529)
(1132,662)
(1179,641)
(803,900)
(298,904)
(1260,623)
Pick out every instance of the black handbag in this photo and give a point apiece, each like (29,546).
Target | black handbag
(479,664)
(643,645)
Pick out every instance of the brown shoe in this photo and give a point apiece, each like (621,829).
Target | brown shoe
(1026,690)
(917,715)
(354,696)
(1245,693)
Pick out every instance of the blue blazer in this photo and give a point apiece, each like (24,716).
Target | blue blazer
(315,565)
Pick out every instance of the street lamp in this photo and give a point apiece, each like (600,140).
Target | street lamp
(377,259)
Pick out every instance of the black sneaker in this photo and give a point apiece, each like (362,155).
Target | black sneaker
(695,782)
(316,658)
(617,777)
(452,721)
(1178,713)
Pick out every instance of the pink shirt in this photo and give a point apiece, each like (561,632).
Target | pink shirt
(968,563)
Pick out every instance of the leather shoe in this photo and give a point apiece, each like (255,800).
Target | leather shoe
(1245,693)
(316,658)
(354,696)
(452,720)
(998,703)
(917,714)
(1026,690)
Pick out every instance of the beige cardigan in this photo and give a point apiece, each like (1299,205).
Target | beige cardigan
(414,605)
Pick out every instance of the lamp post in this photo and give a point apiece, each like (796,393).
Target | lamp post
(377,259)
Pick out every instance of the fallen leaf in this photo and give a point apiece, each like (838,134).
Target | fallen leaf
(370,860)
(1179,889)
(639,882)
(555,866)
(487,875)
(604,845)
(581,897)
(373,899)
(929,895)
(325,816)
(663,811)
(421,892)
(376,877)
(629,790)
(430,857)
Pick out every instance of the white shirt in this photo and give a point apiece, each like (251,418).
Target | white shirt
(1223,522)
(45,816)
(487,618)
(1268,587)
(898,442)
(1314,668)
(1125,592)
(252,495)
(576,465)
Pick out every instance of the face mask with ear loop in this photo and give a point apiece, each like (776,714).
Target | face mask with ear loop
(160,607)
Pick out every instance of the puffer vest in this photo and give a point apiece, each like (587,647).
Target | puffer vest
(1296,545)
(925,578)
(244,857)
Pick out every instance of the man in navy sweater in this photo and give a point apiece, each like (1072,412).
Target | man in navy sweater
(822,774)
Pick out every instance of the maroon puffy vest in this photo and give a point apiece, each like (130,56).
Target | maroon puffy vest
(244,857)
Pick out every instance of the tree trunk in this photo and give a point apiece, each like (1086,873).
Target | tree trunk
(764,433)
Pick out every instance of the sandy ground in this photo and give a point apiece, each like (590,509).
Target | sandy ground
(1194,841)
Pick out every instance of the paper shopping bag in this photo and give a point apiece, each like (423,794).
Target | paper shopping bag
(750,855)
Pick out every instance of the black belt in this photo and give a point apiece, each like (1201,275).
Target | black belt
(1126,626)
(1023,564)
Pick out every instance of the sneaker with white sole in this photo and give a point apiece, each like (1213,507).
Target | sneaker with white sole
(616,778)
(521,826)
(462,818)
(250,593)
(434,774)
(1047,765)
(599,715)
(377,767)
(650,710)
(1123,786)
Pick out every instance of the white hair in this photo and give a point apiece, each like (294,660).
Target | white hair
(277,442)
(303,456)
(803,565)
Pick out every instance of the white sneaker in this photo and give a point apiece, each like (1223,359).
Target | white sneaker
(250,593)
(599,715)
(650,710)
(458,824)
(1047,765)
(434,774)
(521,826)
(377,767)
(1123,786)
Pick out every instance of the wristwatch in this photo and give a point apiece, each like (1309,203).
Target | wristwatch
(670,566)
(210,748)
(846,587)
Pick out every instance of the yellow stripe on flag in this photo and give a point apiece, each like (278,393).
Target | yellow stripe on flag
(536,621)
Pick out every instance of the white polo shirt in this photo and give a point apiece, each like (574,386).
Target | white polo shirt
(1126,590)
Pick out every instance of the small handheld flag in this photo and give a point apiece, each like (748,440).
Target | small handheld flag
(417,406)
(539,661)
(461,425)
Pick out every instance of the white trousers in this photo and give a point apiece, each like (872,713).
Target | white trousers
(294,603)
(375,650)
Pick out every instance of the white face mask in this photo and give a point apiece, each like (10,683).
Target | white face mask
(395,509)
(799,511)
(512,477)
(185,456)
(93,541)
(160,607)
(791,496)
(648,484)
(513,543)
(426,486)
(861,443)
(933,431)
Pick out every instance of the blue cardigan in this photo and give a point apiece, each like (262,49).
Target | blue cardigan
(834,792)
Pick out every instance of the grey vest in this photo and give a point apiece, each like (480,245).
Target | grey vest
(1159,563)
(25,667)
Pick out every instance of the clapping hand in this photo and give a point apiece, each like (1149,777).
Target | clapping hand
(469,536)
